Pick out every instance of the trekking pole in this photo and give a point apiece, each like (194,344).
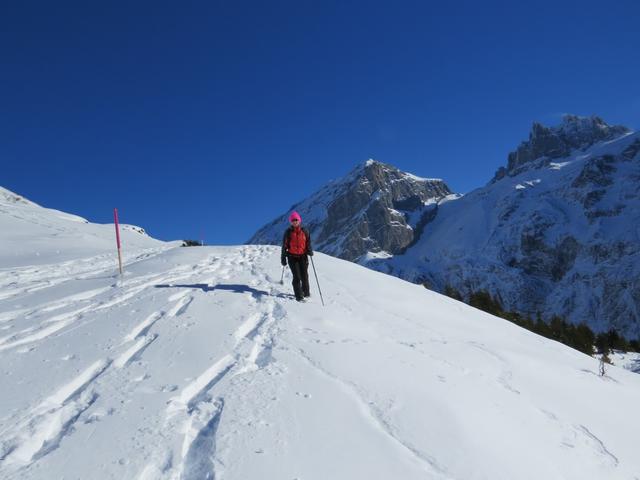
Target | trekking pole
(314,272)
(282,276)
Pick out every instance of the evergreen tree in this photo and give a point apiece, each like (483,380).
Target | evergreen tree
(579,337)
(616,341)
(485,302)
(450,291)
(602,344)
(191,243)
(584,339)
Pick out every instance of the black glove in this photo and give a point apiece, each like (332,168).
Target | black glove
(310,253)
(283,261)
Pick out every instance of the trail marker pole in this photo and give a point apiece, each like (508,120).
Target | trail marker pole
(115,217)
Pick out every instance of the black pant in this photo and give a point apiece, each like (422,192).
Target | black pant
(299,266)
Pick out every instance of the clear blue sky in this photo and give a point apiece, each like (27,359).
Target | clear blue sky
(213,117)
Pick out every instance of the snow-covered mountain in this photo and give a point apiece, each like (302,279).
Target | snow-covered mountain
(374,212)
(197,364)
(555,232)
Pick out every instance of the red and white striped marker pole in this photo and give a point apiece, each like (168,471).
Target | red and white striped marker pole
(115,217)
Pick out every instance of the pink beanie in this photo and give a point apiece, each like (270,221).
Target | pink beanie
(295,216)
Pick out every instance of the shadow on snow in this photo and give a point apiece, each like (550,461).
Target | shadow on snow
(235,288)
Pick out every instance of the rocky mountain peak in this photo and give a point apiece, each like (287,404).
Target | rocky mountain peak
(585,131)
(547,143)
(375,208)
(382,174)
(370,169)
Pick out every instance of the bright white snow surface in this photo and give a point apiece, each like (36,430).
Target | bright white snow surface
(197,364)
(33,235)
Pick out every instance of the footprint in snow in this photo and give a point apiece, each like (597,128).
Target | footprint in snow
(168,388)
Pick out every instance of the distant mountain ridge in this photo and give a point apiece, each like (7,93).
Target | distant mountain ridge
(548,143)
(554,232)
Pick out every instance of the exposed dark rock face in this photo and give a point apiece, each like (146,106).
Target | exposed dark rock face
(548,143)
(373,209)
(631,151)
(596,171)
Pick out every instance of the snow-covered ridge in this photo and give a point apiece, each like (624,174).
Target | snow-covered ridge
(46,236)
(8,197)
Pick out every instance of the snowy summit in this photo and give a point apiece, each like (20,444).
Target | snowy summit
(197,364)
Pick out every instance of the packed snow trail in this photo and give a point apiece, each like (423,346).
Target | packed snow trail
(198,364)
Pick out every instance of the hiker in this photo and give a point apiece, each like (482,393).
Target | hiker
(296,248)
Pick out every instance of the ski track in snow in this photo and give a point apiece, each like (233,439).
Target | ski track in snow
(377,418)
(573,435)
(24,280)
(181,305)
(505,377)
(196,411)
(143,327)
(195,391)
(87,295)
(598,445)
(129,290)
(199,445)
(40,430)
(46,425)
(133,352)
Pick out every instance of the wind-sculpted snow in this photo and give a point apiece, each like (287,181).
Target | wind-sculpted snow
(198,364)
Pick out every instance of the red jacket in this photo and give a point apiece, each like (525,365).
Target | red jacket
(296,242)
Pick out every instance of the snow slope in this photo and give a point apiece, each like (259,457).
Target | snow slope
(198,364)
(33,235)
